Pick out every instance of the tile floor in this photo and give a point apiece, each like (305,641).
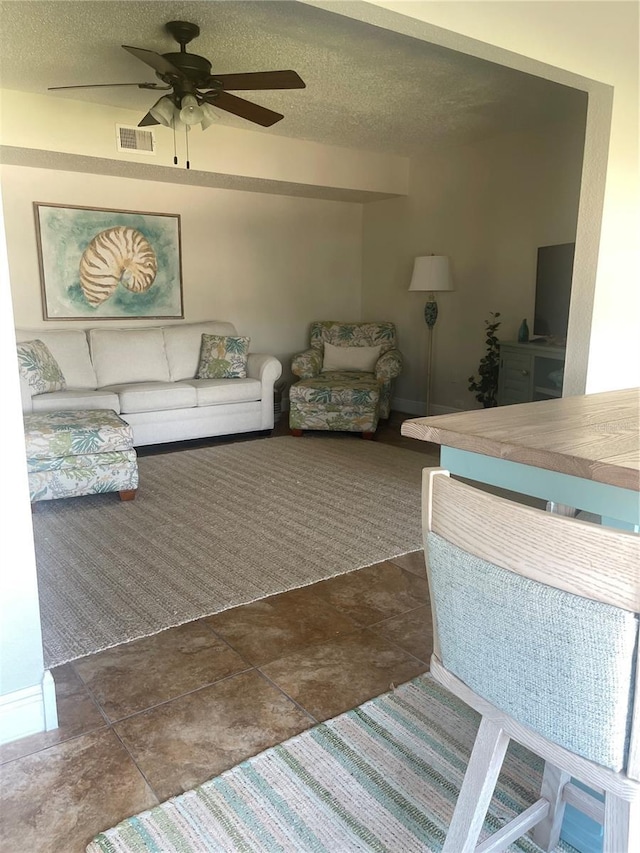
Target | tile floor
(149,719)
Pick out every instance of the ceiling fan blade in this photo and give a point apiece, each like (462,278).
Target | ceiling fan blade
(155,60)
(259,80)
(147,121)
(101,85)
(244,109)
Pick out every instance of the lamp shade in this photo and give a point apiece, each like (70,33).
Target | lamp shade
(431,273)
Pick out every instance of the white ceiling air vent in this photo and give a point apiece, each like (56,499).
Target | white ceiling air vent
(135,139)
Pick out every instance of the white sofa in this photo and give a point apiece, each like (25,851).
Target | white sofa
(147,376)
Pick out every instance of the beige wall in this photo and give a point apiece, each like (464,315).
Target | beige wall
(51,123)
(599,41)
(488,207)
(269,264)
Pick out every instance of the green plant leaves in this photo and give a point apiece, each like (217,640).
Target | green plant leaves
(485,385)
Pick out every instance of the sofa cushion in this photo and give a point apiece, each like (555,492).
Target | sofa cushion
(39,367)
(121,356)
(350,357)
(70,349)
(154,396)
(215,392)
(182,344)
(72,399)
(223,357)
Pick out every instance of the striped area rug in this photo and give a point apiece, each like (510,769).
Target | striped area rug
(382,778)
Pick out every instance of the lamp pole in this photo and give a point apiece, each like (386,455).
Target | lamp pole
(431,273)
(430,316)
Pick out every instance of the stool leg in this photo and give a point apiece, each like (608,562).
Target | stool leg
(621,825)
(127,494)
(477,788)
(547,833)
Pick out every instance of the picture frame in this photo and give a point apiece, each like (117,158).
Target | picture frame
(103,264)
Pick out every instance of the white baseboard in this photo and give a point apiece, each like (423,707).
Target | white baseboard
(416,407)
(28,711)
(409,407)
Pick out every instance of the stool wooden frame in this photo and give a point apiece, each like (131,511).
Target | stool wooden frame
(586,560)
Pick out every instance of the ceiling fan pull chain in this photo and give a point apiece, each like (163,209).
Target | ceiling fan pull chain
(186,139)
(175,156)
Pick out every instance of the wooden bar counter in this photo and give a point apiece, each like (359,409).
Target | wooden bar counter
(581,451)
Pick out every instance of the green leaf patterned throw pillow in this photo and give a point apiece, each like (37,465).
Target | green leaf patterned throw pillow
(40,368)
(223,357)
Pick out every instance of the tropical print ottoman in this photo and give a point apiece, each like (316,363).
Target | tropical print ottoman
(340,400)
(72,453)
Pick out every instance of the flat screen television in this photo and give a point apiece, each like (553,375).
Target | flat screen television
(553,291)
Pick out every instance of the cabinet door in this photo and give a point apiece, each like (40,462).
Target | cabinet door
(515,382)
(547,378)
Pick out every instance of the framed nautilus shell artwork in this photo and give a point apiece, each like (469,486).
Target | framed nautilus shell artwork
(104,264)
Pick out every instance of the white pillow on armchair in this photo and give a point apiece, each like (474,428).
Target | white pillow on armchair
(350,358)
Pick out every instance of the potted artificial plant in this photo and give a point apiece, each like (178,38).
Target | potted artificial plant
(485,384)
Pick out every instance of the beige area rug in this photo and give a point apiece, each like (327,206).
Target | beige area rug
(215,527)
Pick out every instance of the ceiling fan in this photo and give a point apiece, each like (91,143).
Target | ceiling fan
(194,89)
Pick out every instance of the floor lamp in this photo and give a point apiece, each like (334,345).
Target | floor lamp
(431,274)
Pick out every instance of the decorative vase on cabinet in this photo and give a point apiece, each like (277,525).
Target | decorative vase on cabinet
(523,333)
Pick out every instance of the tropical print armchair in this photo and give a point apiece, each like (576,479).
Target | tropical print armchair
(345,399)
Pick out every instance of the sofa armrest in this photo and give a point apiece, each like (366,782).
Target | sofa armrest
(389,365)
(267,369)
(264,367)
(307,364)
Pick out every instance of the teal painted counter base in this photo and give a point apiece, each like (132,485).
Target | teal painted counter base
(583,833)
(621,507)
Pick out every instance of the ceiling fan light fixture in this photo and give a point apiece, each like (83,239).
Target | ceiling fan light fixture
(177,125)
(163,111)
(210,115)
(194,88)
(191,113)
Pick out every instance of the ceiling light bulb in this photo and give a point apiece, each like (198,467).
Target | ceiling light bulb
(163,111)
(210,115)
(191,113)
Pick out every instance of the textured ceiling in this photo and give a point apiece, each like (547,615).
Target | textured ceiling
(366,87)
